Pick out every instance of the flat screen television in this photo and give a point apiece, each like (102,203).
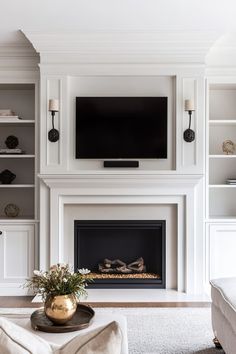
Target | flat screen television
(121,127)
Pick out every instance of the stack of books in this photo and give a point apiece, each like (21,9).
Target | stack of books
(231,181)
(11,151)
(8,115)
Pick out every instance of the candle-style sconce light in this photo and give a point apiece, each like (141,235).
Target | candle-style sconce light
(189,134)
(53,134)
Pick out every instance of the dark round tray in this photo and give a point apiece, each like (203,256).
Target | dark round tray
(80,320)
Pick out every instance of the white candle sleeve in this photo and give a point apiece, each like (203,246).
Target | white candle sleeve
(54,105)
(189,105)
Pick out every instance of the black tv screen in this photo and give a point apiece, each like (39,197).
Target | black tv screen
(121,127)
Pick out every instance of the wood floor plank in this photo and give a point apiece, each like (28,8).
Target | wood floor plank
(18,301)
(26,301)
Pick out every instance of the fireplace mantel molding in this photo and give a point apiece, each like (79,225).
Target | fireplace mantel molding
(151,189)
(148,180)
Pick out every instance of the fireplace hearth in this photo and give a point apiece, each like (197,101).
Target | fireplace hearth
(121,254)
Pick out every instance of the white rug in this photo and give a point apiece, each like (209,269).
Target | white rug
(169,330)
(161,330)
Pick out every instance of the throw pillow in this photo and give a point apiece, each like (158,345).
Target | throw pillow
(17,340)
(103,340)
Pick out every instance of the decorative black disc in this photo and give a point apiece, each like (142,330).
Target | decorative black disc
(53,135)
(189,135)
(6,177)
(12,142)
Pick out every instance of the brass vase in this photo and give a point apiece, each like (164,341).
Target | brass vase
(60,309)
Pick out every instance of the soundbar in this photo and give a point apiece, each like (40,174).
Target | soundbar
(120,164)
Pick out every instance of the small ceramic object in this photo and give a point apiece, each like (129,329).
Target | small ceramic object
(228,147)
(12,142)
(11,210)
(6,177)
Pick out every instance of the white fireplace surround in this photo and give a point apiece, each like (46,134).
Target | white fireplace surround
(136,190)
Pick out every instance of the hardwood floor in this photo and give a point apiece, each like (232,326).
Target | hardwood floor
(17,301)
(25,301)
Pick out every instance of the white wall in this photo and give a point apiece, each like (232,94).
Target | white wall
(126,212)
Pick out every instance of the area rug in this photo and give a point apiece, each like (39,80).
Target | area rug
(161,330)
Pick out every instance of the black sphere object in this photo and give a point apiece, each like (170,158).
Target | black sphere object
(189,135)
(53,135)
(6,177)
(12,142)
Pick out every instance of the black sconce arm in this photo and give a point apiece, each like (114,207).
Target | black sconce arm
(53,134)
(189,134)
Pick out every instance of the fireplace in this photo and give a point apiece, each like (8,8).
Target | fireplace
(139,246)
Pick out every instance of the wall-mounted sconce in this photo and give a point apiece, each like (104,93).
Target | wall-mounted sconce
(189,134)
(53,134)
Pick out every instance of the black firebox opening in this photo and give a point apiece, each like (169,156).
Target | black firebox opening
(125,240)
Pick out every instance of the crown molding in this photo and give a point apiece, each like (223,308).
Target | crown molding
(18,56)
(159,47)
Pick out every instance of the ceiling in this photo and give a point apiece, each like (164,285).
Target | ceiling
(117,16)
(113,15)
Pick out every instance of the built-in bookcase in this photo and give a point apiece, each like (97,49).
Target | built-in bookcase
(18,235)
(20,98)
(220,238)
(221,127)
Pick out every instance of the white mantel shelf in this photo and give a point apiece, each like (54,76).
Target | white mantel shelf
(116,184)
(122,173)
(122,177)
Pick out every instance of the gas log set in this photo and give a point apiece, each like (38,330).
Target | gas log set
(119,267)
